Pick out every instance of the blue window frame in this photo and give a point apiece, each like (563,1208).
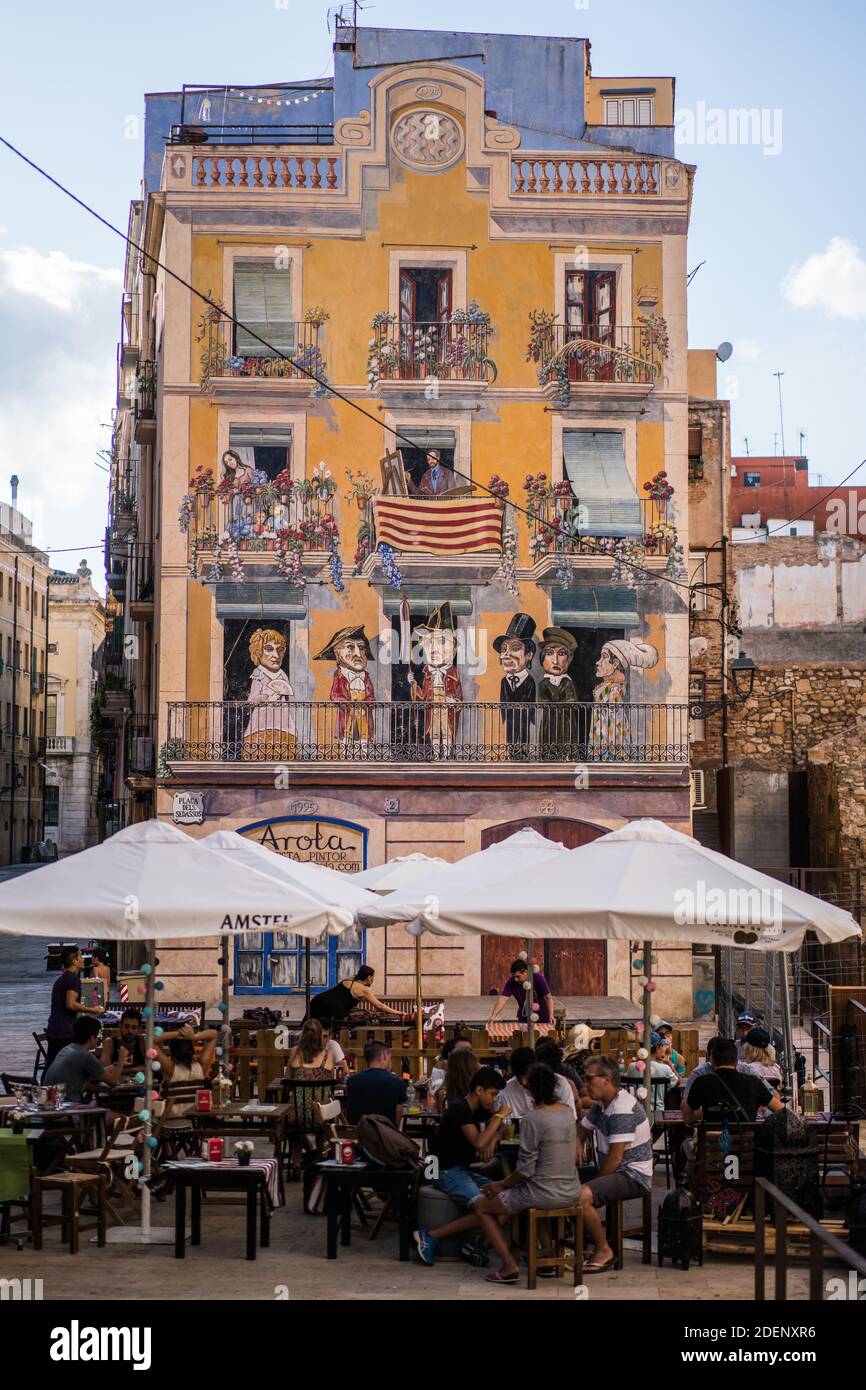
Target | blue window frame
(273,962)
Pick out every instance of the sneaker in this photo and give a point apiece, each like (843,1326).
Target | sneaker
(426,1246)
(475,1254)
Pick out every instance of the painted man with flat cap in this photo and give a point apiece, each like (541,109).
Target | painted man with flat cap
(441,690)
(516,649)
(351,688)
(558,726)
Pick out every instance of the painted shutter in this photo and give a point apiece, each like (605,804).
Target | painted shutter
(263,303)
(594,462)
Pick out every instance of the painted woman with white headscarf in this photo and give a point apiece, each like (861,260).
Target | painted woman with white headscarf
(609,733)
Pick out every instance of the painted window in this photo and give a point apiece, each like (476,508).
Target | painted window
(629,111)
(274,962)
(594,463)
(414,454)
(264,450)
(263,304)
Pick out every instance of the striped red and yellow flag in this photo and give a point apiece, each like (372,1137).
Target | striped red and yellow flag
(439,527)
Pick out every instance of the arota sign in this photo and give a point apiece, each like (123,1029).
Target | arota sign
(335,844)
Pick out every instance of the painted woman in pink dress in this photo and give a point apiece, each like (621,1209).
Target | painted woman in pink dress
(609,733)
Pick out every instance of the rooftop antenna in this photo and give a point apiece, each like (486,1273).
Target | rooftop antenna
(778,376)
(776,443)
(746,442)
(802,437)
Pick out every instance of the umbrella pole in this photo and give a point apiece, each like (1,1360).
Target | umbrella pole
(419,1019)
(226,981)
(530,981)
(787,1029)
(307,974)
(647,1027)
(148,1089)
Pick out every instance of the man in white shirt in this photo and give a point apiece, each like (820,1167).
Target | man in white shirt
(623,1141)
(516,1094)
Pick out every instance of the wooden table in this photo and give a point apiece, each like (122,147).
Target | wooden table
(341,1182)
(199,1176)
(236,1120)
(72,1119)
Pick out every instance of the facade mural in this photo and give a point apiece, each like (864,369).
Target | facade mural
(440,691)
(351,688)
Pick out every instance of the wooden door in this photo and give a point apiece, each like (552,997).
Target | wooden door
(571,967)
(576,291)
(604,319)
(407,324)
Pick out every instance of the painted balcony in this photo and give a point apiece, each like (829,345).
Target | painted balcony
(298,362)
(428,537)
(399,733)
(574,362)
(557,176)
(454,352)
(258,528)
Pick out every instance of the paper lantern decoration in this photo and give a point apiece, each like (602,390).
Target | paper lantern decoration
(151,1053)
(156,1066)
(638,1028)
(154,1095)
(655,1020)
(534,1015)
(152,1143)
(144,1115)
(642,1054)
(640,1066)
(637,964)
(651,986)
(218,1051)
(223,1008)
(158,1032)
(146,1011)
(159,985)
(139,1078)
(641,1092)
(146,968)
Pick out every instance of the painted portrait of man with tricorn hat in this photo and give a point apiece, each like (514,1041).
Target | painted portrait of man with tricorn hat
(441,690)
(515,648)
(351,687)
(558,731)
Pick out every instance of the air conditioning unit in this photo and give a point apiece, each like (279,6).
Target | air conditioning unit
(699,795)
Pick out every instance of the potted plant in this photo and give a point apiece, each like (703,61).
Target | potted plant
(244,1151)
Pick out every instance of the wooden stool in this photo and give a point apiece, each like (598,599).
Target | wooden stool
(614,1228)
(70,1186)
(567,1249)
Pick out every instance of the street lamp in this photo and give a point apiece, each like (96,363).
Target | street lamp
(742,672)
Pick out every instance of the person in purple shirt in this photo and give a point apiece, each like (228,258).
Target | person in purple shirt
(515,988)
(66,1003)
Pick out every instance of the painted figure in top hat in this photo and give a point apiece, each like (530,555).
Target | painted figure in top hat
(441,690)
(351,688)
(609,732)
(558,732)
(516,649)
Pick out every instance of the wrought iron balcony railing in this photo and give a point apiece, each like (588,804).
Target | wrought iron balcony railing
(278,519)
(406,732)
(621,354)
(299,354)
(413,350)
(140,745)
(599,526)
(145,395)
(123,494)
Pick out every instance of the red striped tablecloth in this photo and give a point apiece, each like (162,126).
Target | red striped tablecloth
(501,1032)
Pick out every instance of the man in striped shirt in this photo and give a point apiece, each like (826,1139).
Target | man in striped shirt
(623,1141)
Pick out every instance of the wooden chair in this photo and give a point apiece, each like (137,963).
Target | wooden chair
(617,1232)
(177,1133)
(113,1162)
(10,1082)
(71,1187)
(41,1062)
(566,1234)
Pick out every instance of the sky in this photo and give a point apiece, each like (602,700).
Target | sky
(777,226)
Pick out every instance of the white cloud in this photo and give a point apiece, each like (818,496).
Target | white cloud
(54,278)
(749,349)
(833,280)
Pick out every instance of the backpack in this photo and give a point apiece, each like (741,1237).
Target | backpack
(383,1144)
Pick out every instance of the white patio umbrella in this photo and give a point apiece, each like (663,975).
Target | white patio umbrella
(521,852)
(398,873)
(647,882)
(328,886)
(152,882)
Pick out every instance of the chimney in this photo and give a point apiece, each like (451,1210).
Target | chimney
(13,483)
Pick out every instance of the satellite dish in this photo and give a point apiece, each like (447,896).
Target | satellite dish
(724,350)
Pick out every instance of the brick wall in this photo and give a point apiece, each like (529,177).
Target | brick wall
(837,798)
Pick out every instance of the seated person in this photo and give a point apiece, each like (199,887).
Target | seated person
(376,1090)
(459,1071)
(551,1054)
(704,1068)
(678,1061)
(436,1079)
(77,1063)
(759,1055)
(333,1048)
(725,1090)
(660,1070)
(131,1037)
(516,1093)
(623,1140)
(467,1129)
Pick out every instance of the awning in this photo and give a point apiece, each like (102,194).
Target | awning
(604,606)
(261,601)
(423,598)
